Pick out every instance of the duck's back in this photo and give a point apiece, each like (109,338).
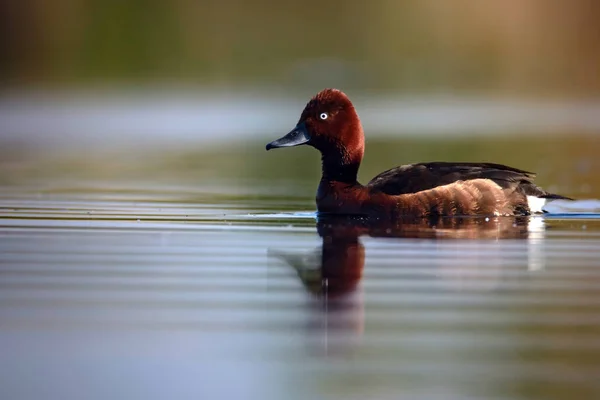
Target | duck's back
(516,184)
(414,178)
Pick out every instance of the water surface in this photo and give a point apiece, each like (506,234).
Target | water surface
(152,249)
(136,294)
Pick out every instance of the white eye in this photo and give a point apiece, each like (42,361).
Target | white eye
(323,116)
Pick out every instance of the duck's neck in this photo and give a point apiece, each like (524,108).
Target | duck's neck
(341,156)
(340,167)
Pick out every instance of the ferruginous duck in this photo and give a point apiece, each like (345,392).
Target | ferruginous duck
(330,124)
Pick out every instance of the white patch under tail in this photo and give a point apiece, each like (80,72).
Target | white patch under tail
(536,204)
(590,207)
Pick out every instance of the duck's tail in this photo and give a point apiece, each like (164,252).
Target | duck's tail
(537,203)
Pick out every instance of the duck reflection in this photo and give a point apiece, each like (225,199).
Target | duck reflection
(335,268)
(332,273)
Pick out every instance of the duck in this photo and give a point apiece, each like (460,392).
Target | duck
(330,124)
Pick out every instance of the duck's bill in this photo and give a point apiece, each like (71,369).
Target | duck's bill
(296,137)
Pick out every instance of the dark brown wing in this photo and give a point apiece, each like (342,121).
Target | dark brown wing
(413,178)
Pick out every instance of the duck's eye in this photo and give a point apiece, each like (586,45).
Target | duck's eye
(324,116)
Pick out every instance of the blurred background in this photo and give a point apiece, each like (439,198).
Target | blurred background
(108,93)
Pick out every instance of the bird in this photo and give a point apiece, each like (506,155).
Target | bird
(330,124)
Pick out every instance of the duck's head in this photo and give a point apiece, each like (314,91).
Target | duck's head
(330,124)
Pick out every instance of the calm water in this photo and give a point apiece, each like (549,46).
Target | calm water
(154,250)
(139,295)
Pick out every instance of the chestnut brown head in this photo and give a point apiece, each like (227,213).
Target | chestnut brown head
(330,124)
